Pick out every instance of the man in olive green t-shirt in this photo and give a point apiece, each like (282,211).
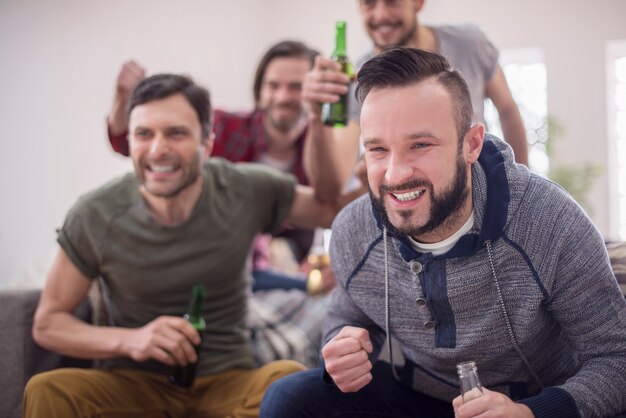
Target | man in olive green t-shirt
(180,219)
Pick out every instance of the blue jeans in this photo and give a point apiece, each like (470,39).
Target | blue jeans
(305,394)
(269,280)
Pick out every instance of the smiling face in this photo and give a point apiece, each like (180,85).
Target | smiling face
(166,145)
(390,22)
(281,91)
(418,171)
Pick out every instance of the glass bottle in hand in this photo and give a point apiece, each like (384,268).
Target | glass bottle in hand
(318,259)
(184,375)
(470,384)
(336,114)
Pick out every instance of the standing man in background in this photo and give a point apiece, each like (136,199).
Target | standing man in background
(395,23)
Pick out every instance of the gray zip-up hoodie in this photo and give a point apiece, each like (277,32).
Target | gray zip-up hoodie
(528,294)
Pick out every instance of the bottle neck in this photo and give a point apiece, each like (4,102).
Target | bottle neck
(319,242)
(194,313)
(340,40)
(470,384)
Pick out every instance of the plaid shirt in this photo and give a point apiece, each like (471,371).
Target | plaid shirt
(239,137)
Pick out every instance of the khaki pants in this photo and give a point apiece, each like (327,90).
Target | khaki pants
(122,393)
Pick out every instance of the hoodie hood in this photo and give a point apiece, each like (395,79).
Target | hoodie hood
(497,189)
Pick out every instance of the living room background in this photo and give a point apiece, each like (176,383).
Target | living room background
(60,60)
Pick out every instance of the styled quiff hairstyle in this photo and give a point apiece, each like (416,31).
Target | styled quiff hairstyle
(161,86)
(284,49)
(399,66)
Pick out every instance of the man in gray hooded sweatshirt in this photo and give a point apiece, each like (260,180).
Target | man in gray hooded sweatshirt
(459,254)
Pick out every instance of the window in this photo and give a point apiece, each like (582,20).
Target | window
(616,117)
(526,75)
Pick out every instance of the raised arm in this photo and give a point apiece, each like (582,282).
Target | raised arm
(330,153)
(166,339)
(308,211)
(129,76)
(510,119)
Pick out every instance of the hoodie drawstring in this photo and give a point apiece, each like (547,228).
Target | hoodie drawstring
(507,320)
(387,308)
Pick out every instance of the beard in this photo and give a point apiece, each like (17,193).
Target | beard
(444,208)
(404,40)
(284,125)
(190,169)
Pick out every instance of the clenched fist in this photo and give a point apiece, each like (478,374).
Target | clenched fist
(346,357)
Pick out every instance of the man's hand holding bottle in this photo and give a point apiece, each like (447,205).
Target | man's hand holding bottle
(168,339)
(492,404)
(325,83)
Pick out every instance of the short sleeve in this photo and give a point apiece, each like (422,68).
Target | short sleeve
(274,193)
(486,53)
(118,142)
(78,241)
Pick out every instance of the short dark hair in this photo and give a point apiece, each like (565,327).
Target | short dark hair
(283,49)
(161,86)
(399,66)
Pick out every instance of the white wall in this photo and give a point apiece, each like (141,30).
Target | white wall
(59,59)
(573,35)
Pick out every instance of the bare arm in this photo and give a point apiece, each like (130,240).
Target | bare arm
(330,153)
(308,211)
(166,339)
(129,76)
(510,119)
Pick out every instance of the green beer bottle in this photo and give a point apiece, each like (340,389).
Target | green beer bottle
(184,375)
(336,114)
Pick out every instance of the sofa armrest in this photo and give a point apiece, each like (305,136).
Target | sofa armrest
(20,356)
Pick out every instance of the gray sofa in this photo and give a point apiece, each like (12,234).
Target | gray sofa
(21,357)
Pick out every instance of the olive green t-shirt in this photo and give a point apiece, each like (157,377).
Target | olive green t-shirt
(148,270)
